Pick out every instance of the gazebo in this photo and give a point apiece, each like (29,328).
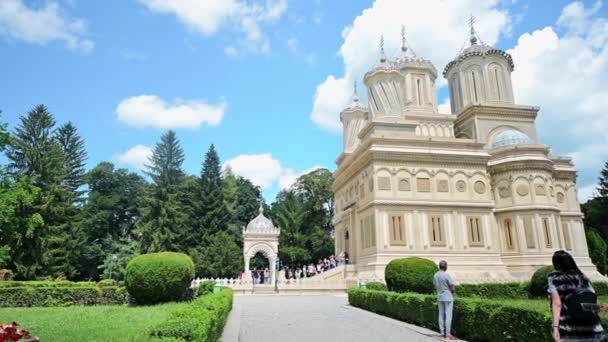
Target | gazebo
(261,236)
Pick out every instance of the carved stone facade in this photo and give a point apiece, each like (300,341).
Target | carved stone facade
(476,187)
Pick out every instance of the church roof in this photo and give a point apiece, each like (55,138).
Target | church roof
(355,103)
(477,48)
(261,224)
(510,137)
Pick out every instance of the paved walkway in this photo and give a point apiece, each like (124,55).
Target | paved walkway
(313,319)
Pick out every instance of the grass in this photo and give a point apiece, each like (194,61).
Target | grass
(89,323)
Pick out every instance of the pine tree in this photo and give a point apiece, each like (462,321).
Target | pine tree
(163,219)
(74,156)
(4,135)
(602,188)
(33,152)
(214,215)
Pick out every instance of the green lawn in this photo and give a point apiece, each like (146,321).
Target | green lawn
(89,323)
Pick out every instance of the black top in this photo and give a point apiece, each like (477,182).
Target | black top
(566,283)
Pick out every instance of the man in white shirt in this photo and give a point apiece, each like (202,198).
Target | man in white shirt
(445,300)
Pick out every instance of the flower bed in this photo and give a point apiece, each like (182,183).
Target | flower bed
(12,332)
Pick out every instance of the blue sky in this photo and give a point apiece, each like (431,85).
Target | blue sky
(264,81)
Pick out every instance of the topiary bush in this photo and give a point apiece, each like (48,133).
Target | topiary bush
(204,288)
(410,275)
(539,282)
(376,286)
(597,250)
(159,277)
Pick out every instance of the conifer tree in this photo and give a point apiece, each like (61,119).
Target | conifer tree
(4,135)
(213,213)
(74,156)
(33,152)
(163,218)
(602,187)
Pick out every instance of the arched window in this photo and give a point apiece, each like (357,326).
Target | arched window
(419,93)
(474,86)
(509,234)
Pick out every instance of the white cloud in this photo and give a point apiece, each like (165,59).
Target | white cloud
(42,25)
(137,156)
(436,30)
(444,108)
(289,176)
(208,17)
(264,170)
(152,111)
(567,75)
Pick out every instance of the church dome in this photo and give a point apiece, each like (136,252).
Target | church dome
(477,48)
(510,137)
(261,224)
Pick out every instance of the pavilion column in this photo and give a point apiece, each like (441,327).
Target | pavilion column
(247,273)
(273,276)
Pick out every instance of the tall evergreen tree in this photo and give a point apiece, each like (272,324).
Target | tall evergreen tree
(213,213)
(4,135)
(602,187)
(33,152)
(74,156)
(162,218)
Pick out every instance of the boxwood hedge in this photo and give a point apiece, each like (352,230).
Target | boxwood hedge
(502,321)
(159,277)
(410,275)
(25,296)
(203,320)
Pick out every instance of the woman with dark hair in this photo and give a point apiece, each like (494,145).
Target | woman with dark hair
(574,303)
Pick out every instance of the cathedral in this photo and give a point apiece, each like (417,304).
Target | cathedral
(475,187)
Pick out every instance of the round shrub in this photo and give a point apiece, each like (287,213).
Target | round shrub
(539,283)
(410,275)
(159,277)
(376,286)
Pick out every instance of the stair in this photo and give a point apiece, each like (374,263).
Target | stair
(264,289)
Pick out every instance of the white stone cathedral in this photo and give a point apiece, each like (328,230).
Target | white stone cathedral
(476,188)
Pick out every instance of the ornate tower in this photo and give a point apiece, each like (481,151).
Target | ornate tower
(353,118)
(402,86)
(480,74)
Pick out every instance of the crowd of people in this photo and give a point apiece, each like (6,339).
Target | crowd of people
(311,270)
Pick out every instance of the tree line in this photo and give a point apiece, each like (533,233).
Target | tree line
(60,220)
(596,222)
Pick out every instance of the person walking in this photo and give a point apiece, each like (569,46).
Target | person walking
(444,284)
(574,304)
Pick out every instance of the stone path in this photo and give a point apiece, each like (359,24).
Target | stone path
(313,319)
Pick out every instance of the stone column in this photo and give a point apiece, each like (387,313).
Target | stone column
(272,261)
(247,273)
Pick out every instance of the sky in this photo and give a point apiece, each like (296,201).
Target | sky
(265,80)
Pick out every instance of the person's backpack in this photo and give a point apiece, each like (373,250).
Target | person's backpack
(582,305)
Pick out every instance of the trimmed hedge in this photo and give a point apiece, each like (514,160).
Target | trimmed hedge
(539,282)
(26,296)
(474,319)
(204,288)
(410,275)
(515,290)
(46,283)
(203,320)
(376,285)
(159,277)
